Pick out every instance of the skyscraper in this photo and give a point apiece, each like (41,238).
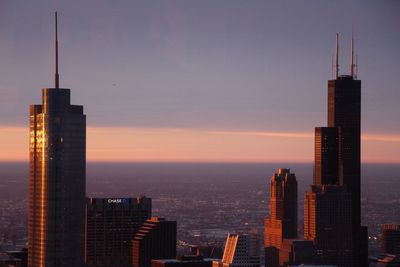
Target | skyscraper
(239,251)
(57,179)
(344,112)
(155,239)
(391,238)
(110,225)
(337,162)
(282,222)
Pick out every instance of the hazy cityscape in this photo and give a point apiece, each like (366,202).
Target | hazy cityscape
(207,200)
(199,134)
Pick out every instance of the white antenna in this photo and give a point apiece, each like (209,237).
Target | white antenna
(56,77)
(337,57)
(352,54)
(356,68)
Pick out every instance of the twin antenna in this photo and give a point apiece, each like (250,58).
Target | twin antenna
(353,65)
(56,76)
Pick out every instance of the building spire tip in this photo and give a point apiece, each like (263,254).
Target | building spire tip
(56,78)
(352,65)
(337,56)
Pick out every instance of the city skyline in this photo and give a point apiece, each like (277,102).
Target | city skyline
(171,100)
(175,89)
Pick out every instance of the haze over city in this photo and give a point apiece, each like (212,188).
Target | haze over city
(199,133)
(201,81)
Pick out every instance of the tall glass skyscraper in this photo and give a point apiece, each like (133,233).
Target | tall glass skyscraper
(57,183)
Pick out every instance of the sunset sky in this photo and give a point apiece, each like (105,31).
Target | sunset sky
(229,80)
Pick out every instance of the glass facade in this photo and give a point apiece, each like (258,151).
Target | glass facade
(111,224)
(57,183)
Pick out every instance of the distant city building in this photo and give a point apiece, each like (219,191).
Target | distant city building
(391,239)
(296,252)
(239,252)
(110,225)
(155,239)
(184,261)
(207,251)
(327,222)
(282,222)
(57,182)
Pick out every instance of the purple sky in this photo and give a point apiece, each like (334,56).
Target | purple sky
(225,65)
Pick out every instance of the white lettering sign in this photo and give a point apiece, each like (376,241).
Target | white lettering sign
(114,200)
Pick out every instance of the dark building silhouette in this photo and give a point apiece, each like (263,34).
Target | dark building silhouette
(282,222)
(327,222)
(111,224)
(21,255)
(295,252)
(391,239)
(7,260)
(326,171)
(155,239)
(344,112)
(57,180)
(184,261)
(337,153)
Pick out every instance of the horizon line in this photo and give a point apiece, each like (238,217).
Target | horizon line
(203,162)
(130,144)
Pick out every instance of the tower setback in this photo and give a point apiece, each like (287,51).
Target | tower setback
(337,168)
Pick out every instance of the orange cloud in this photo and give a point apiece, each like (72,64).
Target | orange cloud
(204,145)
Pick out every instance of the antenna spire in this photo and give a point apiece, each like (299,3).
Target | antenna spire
(56,78)
(337,57)
(352,73)
(356,68)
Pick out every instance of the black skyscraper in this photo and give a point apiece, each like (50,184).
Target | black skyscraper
(111,224)
(155,239)
(57,180)
(344,112)
(337,154)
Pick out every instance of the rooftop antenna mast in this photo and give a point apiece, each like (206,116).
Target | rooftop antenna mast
(356,68)
(56,78)
(352,66)
(337,57)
